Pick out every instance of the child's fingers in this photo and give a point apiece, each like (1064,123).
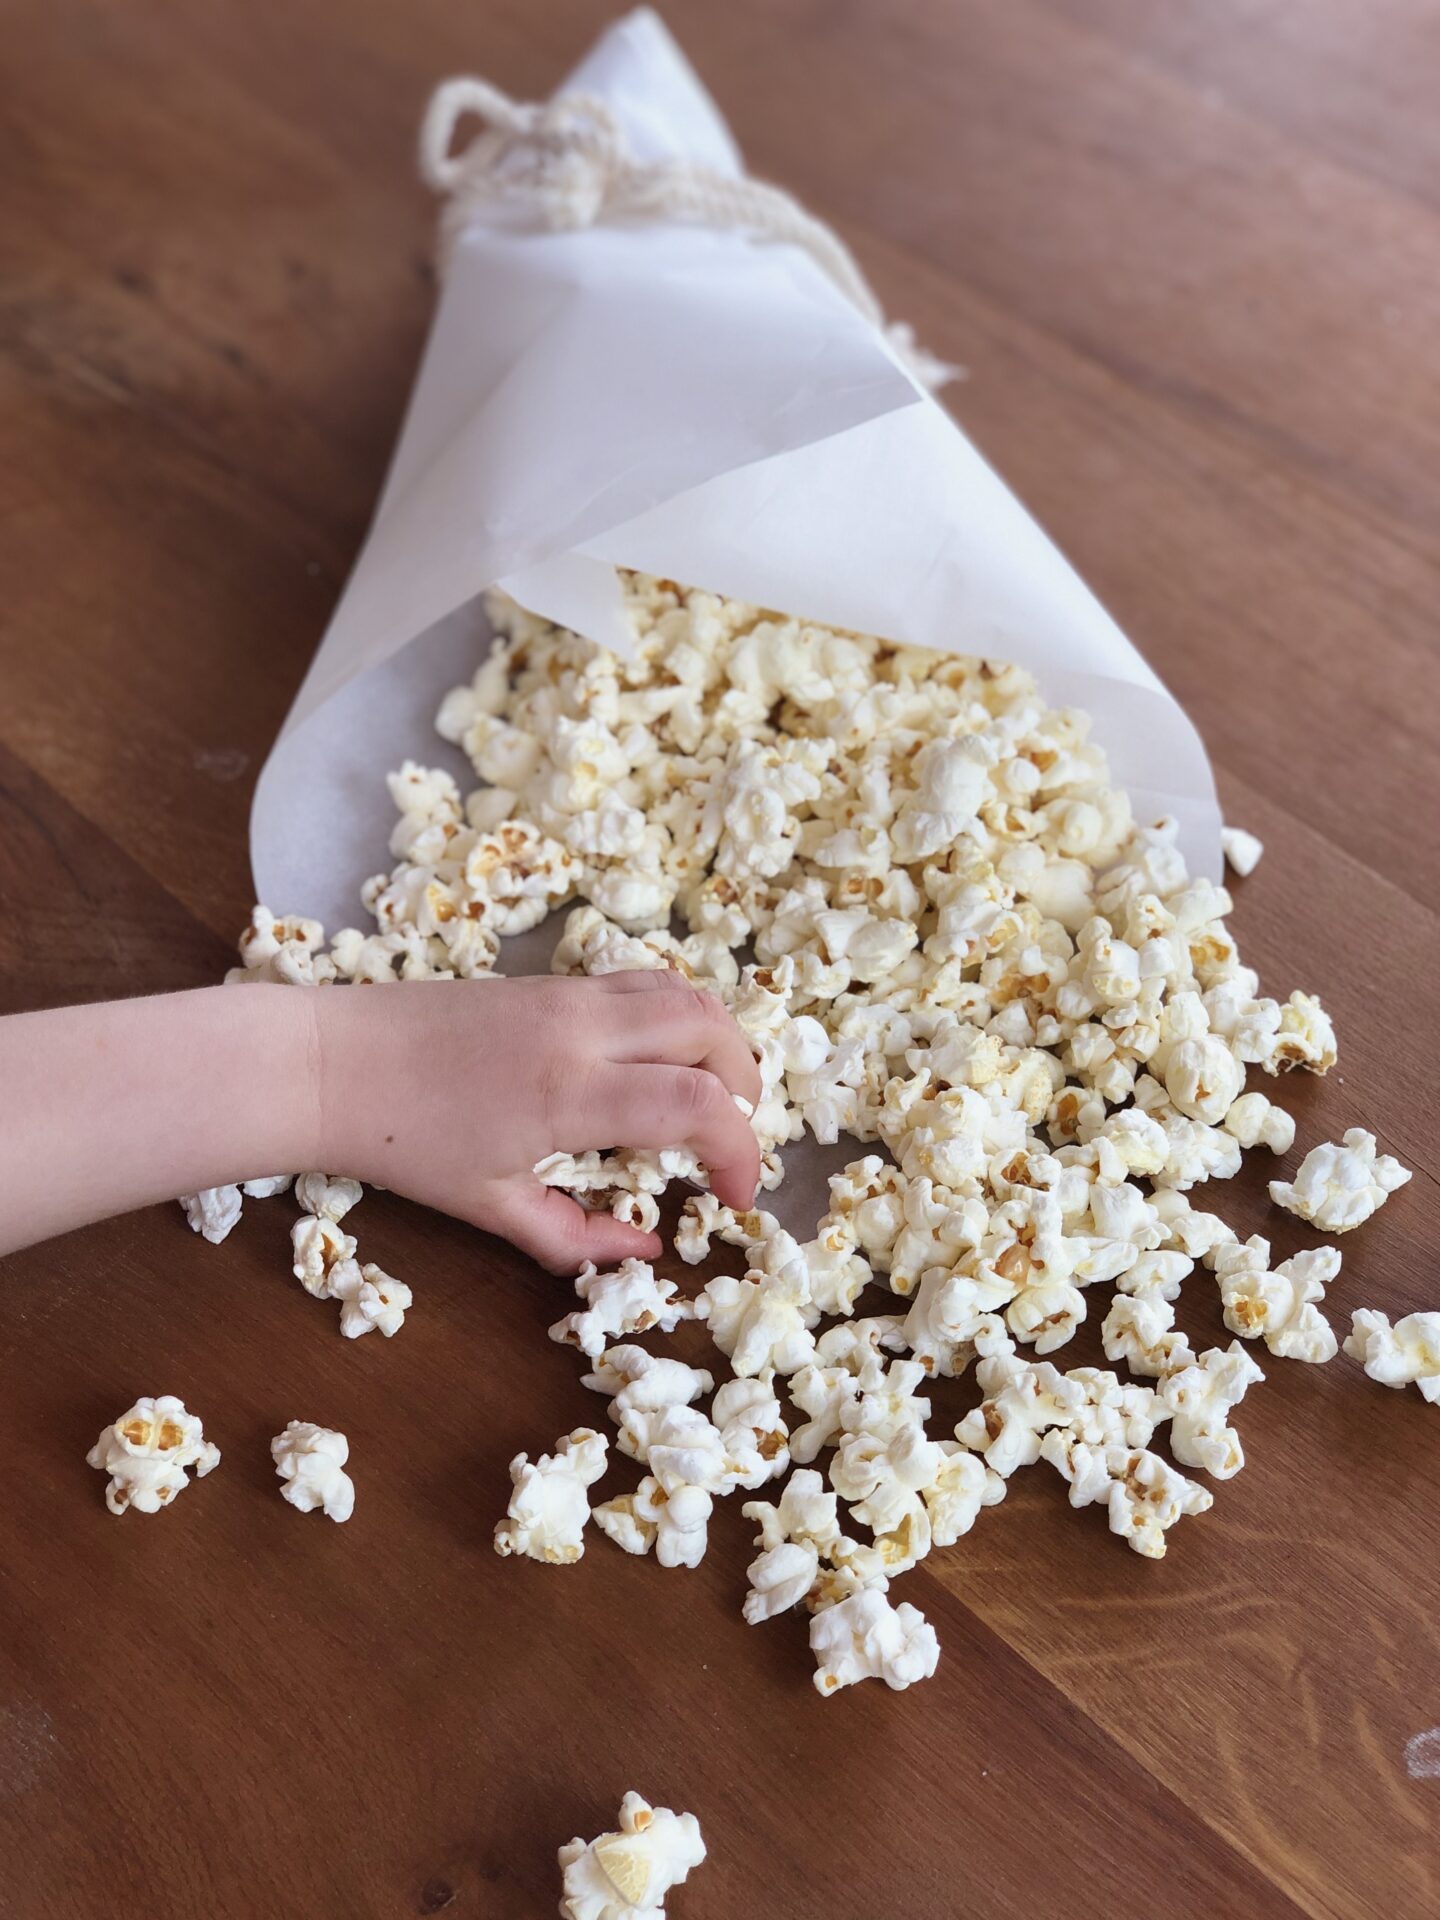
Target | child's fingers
(691,1029)
(661,1106)
(562,1236)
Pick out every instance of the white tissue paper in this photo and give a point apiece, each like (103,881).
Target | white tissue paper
(694,403)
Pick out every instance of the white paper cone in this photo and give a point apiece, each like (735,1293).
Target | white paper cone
(699,405)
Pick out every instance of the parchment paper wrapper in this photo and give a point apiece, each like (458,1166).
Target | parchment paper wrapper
(695,404)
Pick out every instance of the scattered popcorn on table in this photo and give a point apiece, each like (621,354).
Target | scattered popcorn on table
(311,1462)
(146,1451)
(1400,1356)
(946,936)
(626,1875)
(551,1500)
(1339,1187)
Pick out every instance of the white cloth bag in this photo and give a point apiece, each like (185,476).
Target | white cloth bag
(698,404)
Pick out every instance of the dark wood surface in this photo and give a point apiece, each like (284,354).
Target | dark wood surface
(1190,254)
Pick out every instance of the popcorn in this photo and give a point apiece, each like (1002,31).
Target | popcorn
(945,1316)
(1204,1079)
(1303,1038)
(319,1248)
(212,1212)
(630,1300)
(1194,1233)
(1407,1353)
(282,951)
(805,1513)
(1198,1399)
(626,1875)
(822,1393)
(327,1197)
(1144,1496)
(640,1382)
(752,1427)
(1256,1122)
(1109,1414)
(961,1485)
(780,1578)
(676,1523)
(1140,1330)
(887,1400)
(1021,1403)
(146,1451)
(311,1462)
(883,1479)
(762,1321)
(681,1447)
(1241,849)
(369,1299)
(836,1274)
(1281,1306)
(866,1638)
(1338,1187)
(268,1187)
(550,1501)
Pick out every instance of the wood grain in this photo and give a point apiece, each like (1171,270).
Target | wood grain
(1191,257)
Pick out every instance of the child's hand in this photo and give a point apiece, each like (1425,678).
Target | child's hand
(451,1092)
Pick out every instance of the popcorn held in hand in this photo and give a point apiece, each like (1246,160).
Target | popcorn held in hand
(1338,1187)
(311,1462)
(866,1638)
(1400,1356)
(627,1875)
(146,1451)
(550,1502)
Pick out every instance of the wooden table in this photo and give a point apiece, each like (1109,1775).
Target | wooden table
(1191,256)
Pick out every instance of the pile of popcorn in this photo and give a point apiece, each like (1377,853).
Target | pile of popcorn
(945,936)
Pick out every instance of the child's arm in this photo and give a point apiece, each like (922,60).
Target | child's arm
(446,1091)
